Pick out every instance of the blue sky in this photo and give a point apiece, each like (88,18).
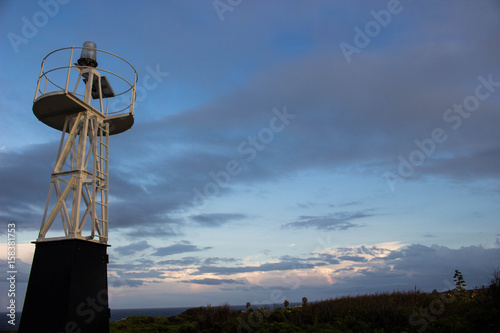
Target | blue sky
(284,148)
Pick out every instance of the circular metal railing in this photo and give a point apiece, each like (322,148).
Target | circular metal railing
(56,78)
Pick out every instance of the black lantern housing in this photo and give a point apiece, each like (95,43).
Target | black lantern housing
(88,55)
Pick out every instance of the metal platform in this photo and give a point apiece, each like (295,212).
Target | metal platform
(52,109)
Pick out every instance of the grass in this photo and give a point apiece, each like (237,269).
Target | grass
(458,310)
(474,311)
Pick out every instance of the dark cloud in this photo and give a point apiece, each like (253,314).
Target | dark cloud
(214,282)
(125,282)
(361,115)
(191,261)
(427,267)
(215,220)
(474,261)
(319,259)
(138,265)
(337,221)
(186,261)
(267,267)
(152,273)
(132,248)
(25,178)
(215,260)
(328,258)
(183,247)
(154,232)
(470,168)
(352,258)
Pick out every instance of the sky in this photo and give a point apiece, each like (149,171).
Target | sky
(281,149)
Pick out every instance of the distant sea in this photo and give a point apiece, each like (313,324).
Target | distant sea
(119,314)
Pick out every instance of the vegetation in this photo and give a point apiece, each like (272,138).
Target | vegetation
(475,310)
(457,310)
(460,284)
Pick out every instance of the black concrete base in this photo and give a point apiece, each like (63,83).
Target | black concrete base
(67,289)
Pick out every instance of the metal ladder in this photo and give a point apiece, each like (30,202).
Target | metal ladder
(100,179)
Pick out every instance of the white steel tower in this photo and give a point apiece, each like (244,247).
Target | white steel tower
(75,97)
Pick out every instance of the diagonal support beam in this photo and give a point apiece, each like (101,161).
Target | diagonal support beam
(61,201)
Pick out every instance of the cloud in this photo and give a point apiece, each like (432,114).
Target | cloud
(328,258)
(383,269)
(352,258)
(215,220)
(214,282)
(152,273)
(378,269)
(132,248)
(186,261)
(125,282)
(267,267)
(361,116)
(427,267)
(183,247)
(319,258)
(131,266)
(154,232)
(191,261)
(214,260)
(337,221)
(25,183)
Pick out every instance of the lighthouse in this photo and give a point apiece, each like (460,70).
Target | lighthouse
(88,95)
